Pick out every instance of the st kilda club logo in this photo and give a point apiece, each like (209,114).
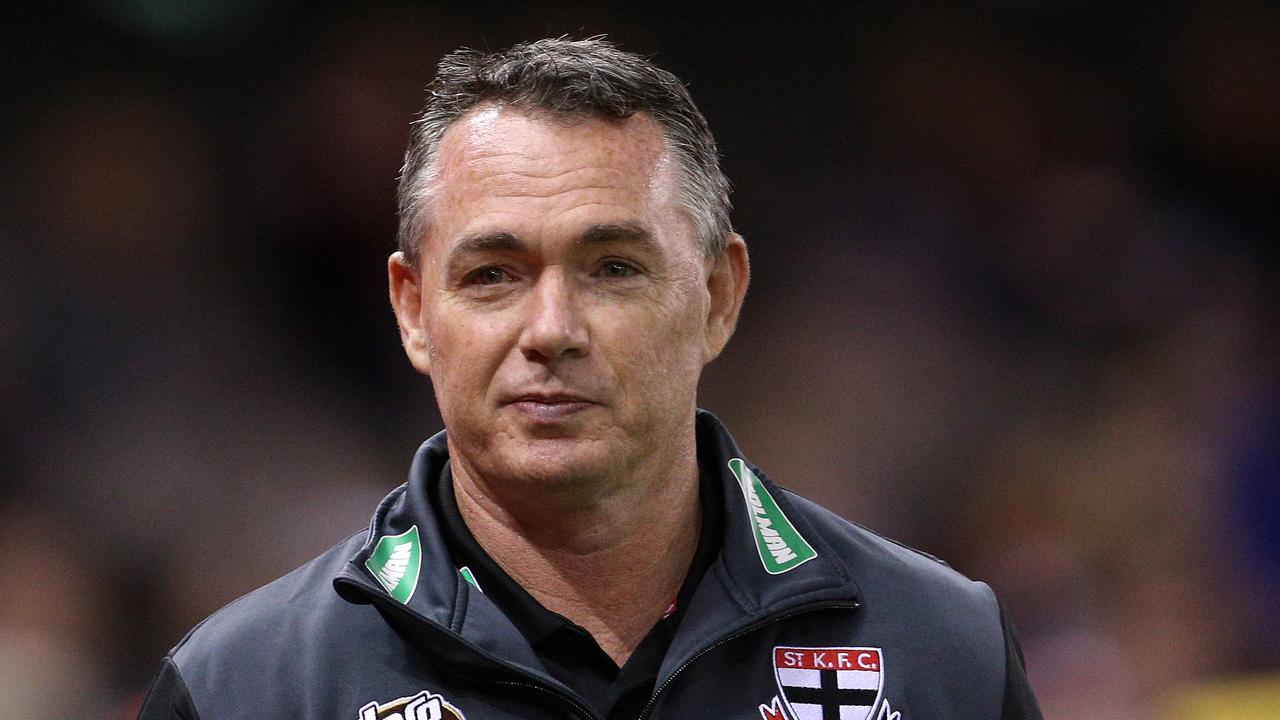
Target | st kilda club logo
(838,683)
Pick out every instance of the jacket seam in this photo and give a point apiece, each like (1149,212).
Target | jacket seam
(460,603)
(379,515)
(182,685)
(735,593)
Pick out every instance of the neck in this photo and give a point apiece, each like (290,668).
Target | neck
(611,565)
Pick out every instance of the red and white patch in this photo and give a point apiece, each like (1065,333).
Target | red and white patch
(772,711)
(838,683)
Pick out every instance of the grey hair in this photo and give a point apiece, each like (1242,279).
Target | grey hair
(565,78)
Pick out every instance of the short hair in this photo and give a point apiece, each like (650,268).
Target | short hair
(589,78)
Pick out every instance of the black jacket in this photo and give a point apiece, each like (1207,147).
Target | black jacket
(803,616)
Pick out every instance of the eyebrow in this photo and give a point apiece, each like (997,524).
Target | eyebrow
(629,231)
(488,242)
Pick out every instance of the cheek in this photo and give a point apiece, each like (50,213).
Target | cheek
(464,354)
(664,344)
(684,316)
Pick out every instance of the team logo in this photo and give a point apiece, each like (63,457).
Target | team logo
(395,562)
(773,711)
(842,683)
(781,546)
(423,706)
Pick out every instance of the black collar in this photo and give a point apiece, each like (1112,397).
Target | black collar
(535,622)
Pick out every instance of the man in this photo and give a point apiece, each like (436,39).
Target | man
(582,542)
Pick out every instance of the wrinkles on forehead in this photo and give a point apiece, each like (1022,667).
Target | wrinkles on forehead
(496,153)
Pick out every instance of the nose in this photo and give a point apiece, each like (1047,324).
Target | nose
(554,327)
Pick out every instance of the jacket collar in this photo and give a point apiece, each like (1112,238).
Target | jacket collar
(773,562)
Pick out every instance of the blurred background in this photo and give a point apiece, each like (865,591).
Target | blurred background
(1014,303)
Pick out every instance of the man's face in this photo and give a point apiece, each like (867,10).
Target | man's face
(562,308)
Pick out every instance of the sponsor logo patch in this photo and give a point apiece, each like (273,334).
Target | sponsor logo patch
(395,563)
(780,545)
(423,706)
(839,683)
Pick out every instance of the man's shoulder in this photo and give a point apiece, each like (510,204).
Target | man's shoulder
(916,609)
(885,572)
(884,566)
(273,617)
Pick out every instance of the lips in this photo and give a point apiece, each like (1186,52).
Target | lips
(549,398)
(549,407)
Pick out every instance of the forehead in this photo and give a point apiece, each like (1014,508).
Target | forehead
(500,130)
(506,154)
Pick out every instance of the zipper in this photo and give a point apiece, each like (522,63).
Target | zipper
(581,709)
(730,638)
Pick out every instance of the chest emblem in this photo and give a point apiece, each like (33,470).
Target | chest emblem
(837,683)
(423,706)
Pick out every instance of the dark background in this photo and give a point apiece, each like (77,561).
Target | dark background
(1014,303)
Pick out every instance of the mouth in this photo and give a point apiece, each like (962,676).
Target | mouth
(549,407)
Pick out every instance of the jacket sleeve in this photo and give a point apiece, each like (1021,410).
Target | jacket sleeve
(168,698)
(1019,701)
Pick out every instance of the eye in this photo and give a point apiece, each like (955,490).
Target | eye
(491,275)
(617,269)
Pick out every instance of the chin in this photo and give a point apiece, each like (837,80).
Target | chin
(564,461)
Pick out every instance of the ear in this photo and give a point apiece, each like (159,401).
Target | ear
(726,286)
(406,299)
